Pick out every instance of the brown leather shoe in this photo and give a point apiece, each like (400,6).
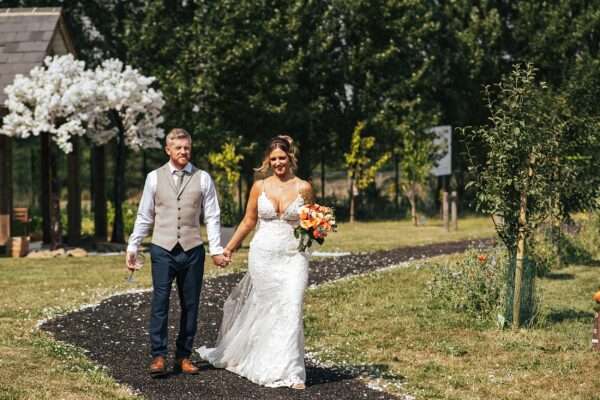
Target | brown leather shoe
(185,365)
(158,366)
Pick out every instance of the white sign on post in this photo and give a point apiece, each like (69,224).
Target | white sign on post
(443,142)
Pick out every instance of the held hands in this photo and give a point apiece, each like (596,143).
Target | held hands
(223,260)
(220,261)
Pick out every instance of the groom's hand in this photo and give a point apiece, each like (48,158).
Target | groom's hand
(219,260)
(130,260)
(228,254)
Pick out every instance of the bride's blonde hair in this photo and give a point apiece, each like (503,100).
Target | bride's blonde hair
(284,143)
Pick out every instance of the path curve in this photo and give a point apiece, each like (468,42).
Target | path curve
(114,334)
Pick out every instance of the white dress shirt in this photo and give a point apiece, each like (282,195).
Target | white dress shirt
(144,221)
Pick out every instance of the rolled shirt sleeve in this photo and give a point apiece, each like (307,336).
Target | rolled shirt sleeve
(144,221)
(212,215)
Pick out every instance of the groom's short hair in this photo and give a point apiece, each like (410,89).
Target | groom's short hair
(177,133)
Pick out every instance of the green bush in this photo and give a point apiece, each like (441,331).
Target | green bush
(589,234)
(475,284)
(479,286)
(129,215)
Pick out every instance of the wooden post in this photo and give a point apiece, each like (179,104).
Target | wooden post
(5,191)
(45,179)
(445,210)
(74,204)
(99,193)
(454,210)
(118,231)
(596,332)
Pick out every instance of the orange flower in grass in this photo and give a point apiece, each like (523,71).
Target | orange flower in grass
(482,258)
(596,297)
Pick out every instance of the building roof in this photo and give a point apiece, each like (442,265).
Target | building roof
(27,36)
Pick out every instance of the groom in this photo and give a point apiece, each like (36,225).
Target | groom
(174,197)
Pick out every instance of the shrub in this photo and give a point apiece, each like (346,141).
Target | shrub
(475,284)
(479,285)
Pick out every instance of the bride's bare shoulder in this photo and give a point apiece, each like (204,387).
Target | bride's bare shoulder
(306,190)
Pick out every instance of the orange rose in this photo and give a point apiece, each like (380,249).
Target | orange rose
(303,213)
(306,224)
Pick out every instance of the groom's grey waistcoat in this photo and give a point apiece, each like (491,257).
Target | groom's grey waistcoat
(177,215)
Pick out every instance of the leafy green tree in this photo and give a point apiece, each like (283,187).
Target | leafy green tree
(536,149)
(361,167)
(226,172)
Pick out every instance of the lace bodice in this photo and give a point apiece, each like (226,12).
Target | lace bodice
(273,231)
(266,209)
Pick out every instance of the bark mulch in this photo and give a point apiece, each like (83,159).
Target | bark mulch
(114,334)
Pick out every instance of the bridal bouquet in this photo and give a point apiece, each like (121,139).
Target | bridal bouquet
(315,223)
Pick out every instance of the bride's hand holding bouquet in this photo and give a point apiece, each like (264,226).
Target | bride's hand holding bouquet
(316,222)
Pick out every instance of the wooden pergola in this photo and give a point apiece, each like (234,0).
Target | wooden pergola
(27,36)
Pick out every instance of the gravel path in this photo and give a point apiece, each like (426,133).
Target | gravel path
(114,334)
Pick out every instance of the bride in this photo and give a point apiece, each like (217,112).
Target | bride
(261,337)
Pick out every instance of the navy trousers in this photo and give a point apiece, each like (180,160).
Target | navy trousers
(187,268)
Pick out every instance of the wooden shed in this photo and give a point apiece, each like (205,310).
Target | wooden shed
(27,36)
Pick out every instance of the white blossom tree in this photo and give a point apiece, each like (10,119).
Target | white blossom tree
(62,101)
(54,102)
(129,109)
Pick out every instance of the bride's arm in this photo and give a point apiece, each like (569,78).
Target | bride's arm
(248,222)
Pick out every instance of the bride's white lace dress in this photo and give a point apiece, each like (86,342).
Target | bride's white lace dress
(262,336)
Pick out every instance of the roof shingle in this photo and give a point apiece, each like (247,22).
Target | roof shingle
(26,36)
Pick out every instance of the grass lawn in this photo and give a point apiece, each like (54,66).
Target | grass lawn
(33,366)
(371,236)
(381,321)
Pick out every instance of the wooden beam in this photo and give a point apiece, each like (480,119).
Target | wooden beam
(5,190)
(45,180)
(74,186)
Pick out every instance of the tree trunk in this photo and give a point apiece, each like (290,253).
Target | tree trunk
(413,205)
(352,200)
(556,232)
(556,240)
(240,197)
(118,233)
(99,193)
(520,261)
(322,176)
(6,192)
(74,204)
(45,185)
(397,182)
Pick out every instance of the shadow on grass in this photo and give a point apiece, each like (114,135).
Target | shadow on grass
(590,263)
(568,314)
(317,375)
(557,276)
